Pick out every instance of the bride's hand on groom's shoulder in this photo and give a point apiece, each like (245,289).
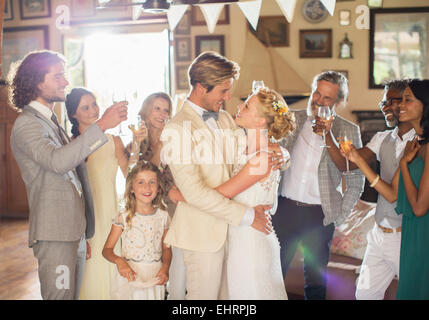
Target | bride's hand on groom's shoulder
(262,221)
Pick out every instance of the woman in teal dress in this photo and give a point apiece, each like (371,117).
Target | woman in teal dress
(413,196)
(410,187)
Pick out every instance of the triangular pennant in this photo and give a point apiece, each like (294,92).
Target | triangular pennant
(175,14)
(329,5)
(251,10)
(211,13)
(288,8)
(137,10)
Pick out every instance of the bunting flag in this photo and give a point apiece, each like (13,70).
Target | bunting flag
(211,13)
(251,10)
(137,10)
(288,8)
(329,5)
(175,14)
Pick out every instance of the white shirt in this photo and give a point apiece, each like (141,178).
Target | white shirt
(249,216)
(376,141)
(44,110)
(375,144)
(211,123)
(300,182)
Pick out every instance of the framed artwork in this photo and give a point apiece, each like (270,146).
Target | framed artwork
(182,78)
(345,16)
(272,31)
(34,9)
(183,49)
(198,19)
(209,43)
(375,3)
(19,41)
(8,10)
(315,43)
(314,11)
(83,8)
(184,26)
(398,46)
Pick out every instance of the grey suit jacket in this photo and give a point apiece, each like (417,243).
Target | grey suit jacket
(336,206)
(57,212)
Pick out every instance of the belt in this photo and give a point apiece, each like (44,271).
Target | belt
(302,204)
(388,230)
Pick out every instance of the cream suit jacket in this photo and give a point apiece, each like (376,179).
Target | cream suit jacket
(200,224)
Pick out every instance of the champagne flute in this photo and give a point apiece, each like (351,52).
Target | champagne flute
(345,145)
(324,113)
(257,84)
(136,125)
(118,96)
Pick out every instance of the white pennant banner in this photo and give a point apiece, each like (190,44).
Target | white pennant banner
(288,8)
(211,13)
(175,14)
(137,10)
(329,5)
(251,10)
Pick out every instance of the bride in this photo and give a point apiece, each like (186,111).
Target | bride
(253,269)
(253,261)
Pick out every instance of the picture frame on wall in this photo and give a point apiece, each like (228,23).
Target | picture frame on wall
(183,49)
(184,26)
(345,17)
(182,77)
(197,17)
(34,9)
(316,43)
(8,10)
(19,41)
(83,8)
(210,43)
(398,45)
(272,31)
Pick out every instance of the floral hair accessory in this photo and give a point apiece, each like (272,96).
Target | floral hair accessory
(280,107)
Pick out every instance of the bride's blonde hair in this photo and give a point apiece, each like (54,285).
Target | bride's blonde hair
(280,121)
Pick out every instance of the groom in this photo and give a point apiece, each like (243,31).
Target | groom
(200,225)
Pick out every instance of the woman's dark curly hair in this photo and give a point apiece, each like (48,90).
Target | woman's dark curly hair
(25,75)
(420,89)
(72,102)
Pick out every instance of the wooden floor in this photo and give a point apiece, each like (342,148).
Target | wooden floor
(18,267)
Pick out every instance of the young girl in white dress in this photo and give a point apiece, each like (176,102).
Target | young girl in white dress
(143,267)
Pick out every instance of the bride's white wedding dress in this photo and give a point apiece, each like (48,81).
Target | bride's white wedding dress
(253,262)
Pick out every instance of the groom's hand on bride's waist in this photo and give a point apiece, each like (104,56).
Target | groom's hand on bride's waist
(262,221)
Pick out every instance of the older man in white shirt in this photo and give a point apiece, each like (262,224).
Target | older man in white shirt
(311,203)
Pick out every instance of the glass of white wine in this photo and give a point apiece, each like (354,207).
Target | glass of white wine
(345,145)
(257,84)
(118,96)
(324,113)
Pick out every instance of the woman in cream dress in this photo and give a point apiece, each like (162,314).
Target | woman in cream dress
(102,166)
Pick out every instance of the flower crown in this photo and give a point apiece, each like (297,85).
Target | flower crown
(280,107)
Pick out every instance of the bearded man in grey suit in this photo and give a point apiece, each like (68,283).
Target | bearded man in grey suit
(311,201)
(54,172)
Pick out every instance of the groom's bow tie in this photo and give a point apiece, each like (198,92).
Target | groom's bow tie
(210,114)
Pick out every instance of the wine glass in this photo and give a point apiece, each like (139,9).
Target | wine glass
(324,113)
(257,84)
(118,96)
(345,144)
(136,125)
